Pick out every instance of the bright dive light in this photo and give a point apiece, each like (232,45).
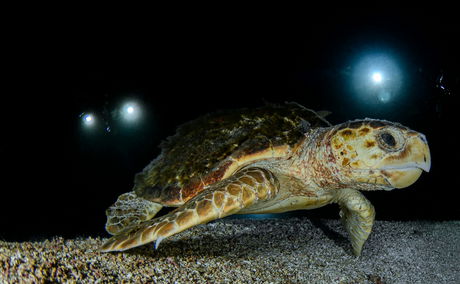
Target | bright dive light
(88,119)
(377,77)
(130,111)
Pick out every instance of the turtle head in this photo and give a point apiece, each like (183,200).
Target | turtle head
(377,154)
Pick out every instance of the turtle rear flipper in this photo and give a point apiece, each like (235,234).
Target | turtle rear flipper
(129,210)
(224,198)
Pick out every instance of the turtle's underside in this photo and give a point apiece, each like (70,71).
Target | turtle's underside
(271,159)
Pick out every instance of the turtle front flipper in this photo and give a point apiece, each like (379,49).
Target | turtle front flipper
(358,216)
(129,210)
(223,198)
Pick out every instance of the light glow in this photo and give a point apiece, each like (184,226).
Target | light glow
(88,119)
(377,77)
(130,111)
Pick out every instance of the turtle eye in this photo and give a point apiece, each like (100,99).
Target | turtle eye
(390,139)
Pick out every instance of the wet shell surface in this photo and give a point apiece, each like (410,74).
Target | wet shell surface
(214,146)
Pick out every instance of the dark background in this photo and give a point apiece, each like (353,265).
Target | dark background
(59,177)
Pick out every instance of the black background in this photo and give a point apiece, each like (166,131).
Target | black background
(179,64)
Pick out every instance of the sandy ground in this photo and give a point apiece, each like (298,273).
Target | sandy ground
(295,250)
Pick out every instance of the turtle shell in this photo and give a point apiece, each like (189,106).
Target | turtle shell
(214,146)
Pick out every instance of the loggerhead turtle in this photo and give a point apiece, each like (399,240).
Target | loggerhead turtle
(272,159)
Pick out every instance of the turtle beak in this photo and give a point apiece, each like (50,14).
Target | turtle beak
(403,168)
(425,163)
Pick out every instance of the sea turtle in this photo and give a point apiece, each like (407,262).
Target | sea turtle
(271,159)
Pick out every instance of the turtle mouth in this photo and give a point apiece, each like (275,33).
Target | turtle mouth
(403,170)
(425,166)
(401,177)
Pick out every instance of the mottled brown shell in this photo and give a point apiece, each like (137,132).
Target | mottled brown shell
(216,145)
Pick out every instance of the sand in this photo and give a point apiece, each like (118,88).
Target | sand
(294,250)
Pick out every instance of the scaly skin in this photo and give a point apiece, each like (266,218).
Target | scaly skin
(128,211)
(357,215)
(222,199)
